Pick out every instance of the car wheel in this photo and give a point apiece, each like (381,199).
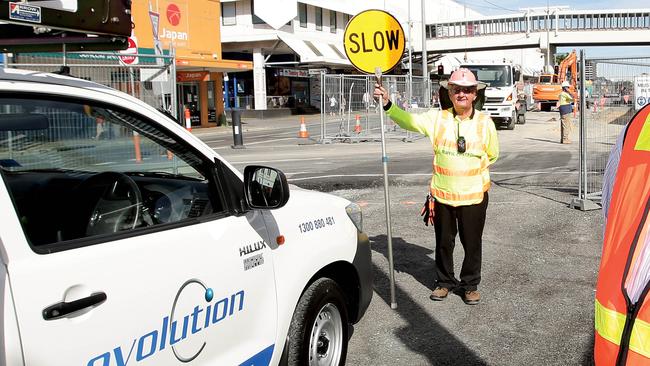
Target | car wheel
(318,334)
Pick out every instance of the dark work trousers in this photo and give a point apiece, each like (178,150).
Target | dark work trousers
(468,222)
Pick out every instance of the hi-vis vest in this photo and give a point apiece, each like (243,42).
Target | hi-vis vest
(458,179)
(622,308)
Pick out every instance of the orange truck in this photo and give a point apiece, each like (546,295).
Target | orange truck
(548,87)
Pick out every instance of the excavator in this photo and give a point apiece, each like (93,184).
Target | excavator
(548,87)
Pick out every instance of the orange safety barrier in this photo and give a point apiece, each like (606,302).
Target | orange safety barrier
(303,129)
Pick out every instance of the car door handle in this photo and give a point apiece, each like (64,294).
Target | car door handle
(62,309)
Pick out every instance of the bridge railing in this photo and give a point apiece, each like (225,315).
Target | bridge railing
(536,22)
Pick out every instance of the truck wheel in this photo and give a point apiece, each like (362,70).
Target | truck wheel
(318,334)
(511,121)
(521,119)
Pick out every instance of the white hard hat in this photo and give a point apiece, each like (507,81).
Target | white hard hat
(565,84)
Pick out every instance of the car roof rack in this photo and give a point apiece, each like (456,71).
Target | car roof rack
(26,26)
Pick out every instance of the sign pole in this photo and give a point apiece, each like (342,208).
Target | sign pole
(389,230)
(374,43)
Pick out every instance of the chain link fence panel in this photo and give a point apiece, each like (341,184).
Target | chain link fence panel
(349,112)
(612,97)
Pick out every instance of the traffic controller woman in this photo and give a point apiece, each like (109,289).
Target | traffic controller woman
(464,146)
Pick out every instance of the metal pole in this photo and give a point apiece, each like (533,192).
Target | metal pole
(549,66)
(349,105)
(174,86)
(425,70)
(583,129)
(384,161)
(410,81)
(322,107)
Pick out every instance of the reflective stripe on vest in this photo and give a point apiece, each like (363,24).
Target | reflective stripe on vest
(610,324)
(460,178)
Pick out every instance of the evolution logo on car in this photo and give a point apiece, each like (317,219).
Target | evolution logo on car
(169,334)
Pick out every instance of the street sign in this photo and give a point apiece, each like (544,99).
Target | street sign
(641,91)
(374,43)
(125,55)
(374,38)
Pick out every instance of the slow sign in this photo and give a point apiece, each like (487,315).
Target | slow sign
(374,38)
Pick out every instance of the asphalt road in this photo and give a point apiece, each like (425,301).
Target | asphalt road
(540,258)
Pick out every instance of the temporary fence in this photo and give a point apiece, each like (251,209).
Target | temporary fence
(148,77)
(152,80)
(612,95)
(349,113)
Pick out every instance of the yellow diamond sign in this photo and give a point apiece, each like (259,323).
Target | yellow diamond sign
(374,38)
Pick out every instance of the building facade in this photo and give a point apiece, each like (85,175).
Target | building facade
(192,30)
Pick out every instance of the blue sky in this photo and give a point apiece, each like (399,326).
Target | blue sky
(502,7)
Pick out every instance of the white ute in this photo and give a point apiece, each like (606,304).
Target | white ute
(125,240)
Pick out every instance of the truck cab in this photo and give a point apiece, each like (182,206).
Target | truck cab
(501,97)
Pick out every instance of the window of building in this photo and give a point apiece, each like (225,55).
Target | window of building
(319,18)
(332,21)
(229,13)
(256,19)
(302,14)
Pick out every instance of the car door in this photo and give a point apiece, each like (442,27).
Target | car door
(181,280)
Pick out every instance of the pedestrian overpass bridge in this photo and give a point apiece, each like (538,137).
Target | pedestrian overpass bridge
(537,27)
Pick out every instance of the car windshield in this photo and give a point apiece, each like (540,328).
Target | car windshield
(492,75)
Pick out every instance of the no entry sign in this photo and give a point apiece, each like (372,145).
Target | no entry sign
(374,38)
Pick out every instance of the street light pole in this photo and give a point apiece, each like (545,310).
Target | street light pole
(425,70)
(549,66)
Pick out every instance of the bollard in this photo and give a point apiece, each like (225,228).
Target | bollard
(237,137)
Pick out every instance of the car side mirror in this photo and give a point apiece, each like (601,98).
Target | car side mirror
(517,75)
(264,187)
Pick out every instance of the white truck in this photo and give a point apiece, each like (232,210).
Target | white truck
(501,96)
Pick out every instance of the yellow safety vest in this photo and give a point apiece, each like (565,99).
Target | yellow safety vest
(459,179)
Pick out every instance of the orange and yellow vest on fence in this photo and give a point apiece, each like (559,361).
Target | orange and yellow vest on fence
(622,323)
(458,179)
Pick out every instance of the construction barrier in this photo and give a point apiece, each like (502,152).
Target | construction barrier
(612,90)
(349,112)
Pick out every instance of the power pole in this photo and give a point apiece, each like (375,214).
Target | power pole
(425,70)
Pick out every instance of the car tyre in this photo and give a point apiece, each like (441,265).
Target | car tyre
(318,334)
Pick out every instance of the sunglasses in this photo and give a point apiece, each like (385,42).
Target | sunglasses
(464,89)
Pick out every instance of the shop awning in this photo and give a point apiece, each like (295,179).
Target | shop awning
(204,63)
(315,51)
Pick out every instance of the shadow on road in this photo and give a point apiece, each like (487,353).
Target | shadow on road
(409,258)
(423,334)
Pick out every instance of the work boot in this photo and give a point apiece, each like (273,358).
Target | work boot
(472,297)
(439,294)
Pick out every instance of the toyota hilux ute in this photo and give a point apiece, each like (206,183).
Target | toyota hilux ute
(125,240)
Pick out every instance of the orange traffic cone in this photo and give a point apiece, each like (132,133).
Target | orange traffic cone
(357,125)
(188,120)
(303,129)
